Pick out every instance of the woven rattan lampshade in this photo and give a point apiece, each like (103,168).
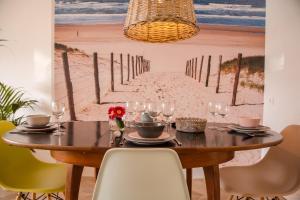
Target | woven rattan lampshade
(160,20)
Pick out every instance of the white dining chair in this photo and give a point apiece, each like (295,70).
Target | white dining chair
(275,176)
(141,174)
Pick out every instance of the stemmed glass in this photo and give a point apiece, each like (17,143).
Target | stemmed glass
(141,106)
(213,111)
(131,109)
(58,110)
(168,109)
(154,109)
(223,111)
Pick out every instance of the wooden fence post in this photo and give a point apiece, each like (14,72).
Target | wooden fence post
(196,63)
(208,71)
(121,65)
(69,86)
(132,60)
(200,71)
(128,67)
(219,74)
(236,79)
(136,66)
(96,77)
(192,67)
(186,67)
(112,81)
(139,64)
(142,61)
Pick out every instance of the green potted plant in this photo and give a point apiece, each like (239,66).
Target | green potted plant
(11,100)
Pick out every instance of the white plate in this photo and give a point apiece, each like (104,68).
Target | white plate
(23,128)
(236,126)
(237,129)
(135,138)
(37,127)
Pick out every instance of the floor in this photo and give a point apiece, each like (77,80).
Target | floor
(87,186)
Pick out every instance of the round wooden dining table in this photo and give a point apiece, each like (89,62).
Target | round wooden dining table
(85,143)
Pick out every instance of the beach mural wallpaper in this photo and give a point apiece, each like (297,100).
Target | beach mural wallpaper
(96,66)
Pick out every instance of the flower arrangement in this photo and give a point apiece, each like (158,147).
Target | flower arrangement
(117,113)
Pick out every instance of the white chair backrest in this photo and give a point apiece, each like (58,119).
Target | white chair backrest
(141,174)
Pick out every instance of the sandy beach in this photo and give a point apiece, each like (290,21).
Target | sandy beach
(167,68)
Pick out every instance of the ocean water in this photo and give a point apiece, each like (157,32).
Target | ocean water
(222,12)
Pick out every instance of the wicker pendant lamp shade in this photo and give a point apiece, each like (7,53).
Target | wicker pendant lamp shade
(160,20)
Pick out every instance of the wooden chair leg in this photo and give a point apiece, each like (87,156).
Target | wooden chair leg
(49,196)
(189,180)
(19,195)
(33,196)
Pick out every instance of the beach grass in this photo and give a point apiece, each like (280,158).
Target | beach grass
(252,64)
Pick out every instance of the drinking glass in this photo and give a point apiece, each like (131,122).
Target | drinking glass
(141,106)
(131,109)
(58,110)
(168,109)
(223,111)
(154,109)
(212,110)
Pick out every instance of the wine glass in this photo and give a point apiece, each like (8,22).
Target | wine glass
(141,106)
(168,109)
(58,110)
(212,110)
(131,109)
(140,109)
(154,109)
(223,111)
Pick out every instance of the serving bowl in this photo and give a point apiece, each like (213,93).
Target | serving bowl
(149,129)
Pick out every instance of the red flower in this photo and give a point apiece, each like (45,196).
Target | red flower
(119,111)
(111,113)
(116,112)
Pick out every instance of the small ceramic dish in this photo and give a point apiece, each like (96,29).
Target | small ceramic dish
(37,120)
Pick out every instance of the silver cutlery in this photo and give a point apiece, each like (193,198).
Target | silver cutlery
(177,142)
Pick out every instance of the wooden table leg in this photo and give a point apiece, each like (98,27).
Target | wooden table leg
(212,179)
(73,182)
(189,179)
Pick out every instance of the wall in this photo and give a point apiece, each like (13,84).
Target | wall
(26,58)
(282,83)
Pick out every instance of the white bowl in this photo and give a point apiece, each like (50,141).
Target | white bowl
(249,121)
(38,120)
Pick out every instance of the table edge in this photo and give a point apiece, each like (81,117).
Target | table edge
(177,149)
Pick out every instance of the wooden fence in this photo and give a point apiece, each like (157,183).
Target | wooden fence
(191,70)
(139,64)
